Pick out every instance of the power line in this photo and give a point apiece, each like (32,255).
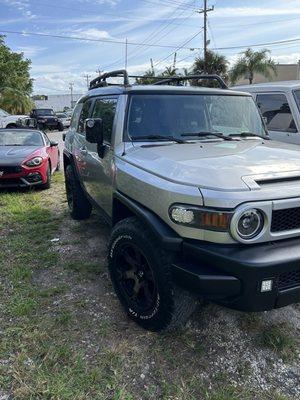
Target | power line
(112,41)
(180,47)
(259,44)
(153,33)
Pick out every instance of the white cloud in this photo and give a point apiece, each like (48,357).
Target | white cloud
(91,33)
(255,11)
(23,6)
(292,58)
(30,51)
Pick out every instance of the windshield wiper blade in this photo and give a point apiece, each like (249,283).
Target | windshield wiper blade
(204,134)
(159,137)
(250,134)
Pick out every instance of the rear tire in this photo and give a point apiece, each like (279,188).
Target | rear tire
(141,272)
(79,205)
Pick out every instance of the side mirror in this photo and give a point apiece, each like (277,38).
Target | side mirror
(94,130)
(53,144)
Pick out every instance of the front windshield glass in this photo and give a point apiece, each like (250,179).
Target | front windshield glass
(19,137)
(176,115)
(45,112)
(3,113)
(297,98)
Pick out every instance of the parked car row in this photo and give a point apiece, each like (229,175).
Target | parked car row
(43,118)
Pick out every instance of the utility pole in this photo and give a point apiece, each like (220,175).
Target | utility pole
(126,53)
(87,77)
(204,11)
(71,85)
(174,62)
(98,71)
(152,66)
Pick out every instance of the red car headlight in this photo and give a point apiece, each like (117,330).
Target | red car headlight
(34,162)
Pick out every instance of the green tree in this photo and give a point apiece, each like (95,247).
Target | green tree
(15,81)
(252,62)
(145,80)
(15,101)
(170,71)
(215,64)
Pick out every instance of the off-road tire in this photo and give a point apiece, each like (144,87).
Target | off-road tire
(47,184)
(173,305)
(60,127)
(79,205)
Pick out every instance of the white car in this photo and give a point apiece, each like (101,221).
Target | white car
(11,121)
(279,103)
(65,119)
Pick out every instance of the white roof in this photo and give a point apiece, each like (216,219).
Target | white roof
(270,86)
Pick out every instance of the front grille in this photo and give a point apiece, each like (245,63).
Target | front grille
(289,280)
(5,169)
(285,220)
(10,182)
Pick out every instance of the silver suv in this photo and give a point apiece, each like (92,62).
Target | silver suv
(201,203)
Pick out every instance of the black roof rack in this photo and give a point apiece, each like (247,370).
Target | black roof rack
(177,79)
(100,81)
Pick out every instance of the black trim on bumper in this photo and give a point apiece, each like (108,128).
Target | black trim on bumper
(232,274)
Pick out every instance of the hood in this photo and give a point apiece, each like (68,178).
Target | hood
(15,155)
(219,165)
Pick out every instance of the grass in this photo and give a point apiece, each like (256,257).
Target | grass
(278,338)
(61,340)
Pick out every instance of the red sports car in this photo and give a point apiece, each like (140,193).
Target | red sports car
(27,158)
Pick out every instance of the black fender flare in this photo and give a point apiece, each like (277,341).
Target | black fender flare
(168,238)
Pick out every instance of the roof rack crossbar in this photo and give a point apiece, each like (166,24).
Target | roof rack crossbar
(192,77)
(100,81)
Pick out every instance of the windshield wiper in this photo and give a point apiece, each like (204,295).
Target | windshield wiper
(204,134)
(250,134)
(159,137)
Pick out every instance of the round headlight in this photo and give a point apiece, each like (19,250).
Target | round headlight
(34,162)
(250,224)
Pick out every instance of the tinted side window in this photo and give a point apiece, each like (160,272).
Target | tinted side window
(106,110)
(47,140)
(84,115)
(75,116)
(275,108)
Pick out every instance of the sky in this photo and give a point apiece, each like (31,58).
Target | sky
(92,35)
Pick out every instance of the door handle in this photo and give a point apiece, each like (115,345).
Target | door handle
(83,150)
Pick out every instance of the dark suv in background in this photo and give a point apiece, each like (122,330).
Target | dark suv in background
(46,118)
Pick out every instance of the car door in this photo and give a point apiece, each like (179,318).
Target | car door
(100,169)
(77,139)
(275,108)
(53,153)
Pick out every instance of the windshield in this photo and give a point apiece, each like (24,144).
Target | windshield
(45,112)
(297,98)
(177,115)
(62,115)
(19,137)
(3,113)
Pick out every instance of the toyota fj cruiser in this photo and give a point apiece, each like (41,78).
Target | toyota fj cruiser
(201,203)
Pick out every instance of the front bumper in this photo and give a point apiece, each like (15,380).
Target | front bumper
(26,178)
(232,274)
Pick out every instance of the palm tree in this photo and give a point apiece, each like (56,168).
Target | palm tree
(170,71)
(252,62)
(146,78)
(215,64)
(15,101)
